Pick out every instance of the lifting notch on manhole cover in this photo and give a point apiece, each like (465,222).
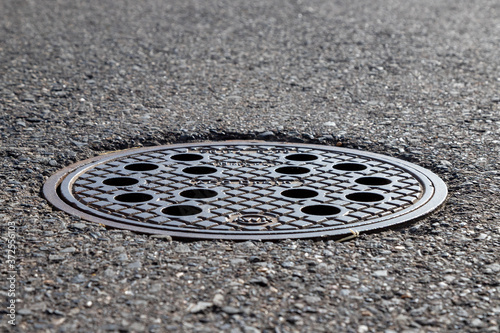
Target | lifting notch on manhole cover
(247,190)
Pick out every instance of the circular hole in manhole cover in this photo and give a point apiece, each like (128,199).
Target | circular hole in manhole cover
(134,197)
(365,197)
(141,167)
(199,193)
(120,181)
(182,210)
(350,167)
(200,170)
(299,193)
(187,157)
(292,170)
(301,157)
(373,181)
(246,190)
(321,210)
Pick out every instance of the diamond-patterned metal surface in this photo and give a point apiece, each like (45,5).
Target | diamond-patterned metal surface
(246,190)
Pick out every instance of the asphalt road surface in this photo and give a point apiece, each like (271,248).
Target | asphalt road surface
(417,80)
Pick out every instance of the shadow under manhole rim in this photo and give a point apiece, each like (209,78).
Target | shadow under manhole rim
(247,190)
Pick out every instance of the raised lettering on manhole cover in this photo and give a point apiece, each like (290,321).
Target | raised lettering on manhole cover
(246,190)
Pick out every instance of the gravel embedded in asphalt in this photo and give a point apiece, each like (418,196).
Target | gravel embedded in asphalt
(415,80)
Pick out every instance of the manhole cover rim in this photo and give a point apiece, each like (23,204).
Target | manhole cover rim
(433,197)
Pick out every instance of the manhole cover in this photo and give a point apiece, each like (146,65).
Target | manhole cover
(246,190)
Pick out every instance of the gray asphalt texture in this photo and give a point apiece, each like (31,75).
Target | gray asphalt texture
(418,80)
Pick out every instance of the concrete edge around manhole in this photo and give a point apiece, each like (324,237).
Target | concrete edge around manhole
(51,193)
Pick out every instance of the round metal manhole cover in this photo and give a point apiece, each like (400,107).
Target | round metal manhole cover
(246,190)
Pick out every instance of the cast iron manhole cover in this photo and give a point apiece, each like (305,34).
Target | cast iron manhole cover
(246,190)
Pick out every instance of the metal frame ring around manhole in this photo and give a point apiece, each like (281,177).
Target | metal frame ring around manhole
(246,190)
